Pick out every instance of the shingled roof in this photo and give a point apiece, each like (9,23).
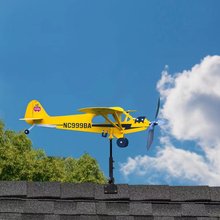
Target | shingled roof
(67,201)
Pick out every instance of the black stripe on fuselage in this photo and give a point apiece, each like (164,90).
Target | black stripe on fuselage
(126,126)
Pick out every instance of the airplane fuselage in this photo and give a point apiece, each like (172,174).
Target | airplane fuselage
(84,123)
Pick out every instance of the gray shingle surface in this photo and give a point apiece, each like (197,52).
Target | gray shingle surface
(163,218)
(76,208)
(215,193)
(88,217)
(190,193)
(13,188)
(142,192)
(143,208)
(67,201)
(33,217)
(72,207)
(207,218)
(87,208)
(38,217)
(106,217)
(213,210)
(43,190)
(192,209)
(143,218)
(52,217)
(11,216)
(74,191)
(78,217)
(65,207)
(113,208)
(70,217)
(185,218)
(124,217)
(12,206)
(166,209)
(39,207)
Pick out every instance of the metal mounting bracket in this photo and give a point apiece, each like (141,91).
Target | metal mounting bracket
(110,189)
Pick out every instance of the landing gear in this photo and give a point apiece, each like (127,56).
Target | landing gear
(104,134)
(122,142)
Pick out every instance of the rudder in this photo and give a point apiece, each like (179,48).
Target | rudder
(35,110)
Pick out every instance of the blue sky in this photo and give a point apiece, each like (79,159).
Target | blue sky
(72,54)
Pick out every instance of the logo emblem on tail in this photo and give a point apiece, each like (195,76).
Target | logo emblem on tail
(37,108)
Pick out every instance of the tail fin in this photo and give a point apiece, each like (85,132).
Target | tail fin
(34,112)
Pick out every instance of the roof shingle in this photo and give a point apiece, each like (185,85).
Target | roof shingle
(64,201)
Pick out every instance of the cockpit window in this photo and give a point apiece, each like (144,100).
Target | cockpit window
(140,119)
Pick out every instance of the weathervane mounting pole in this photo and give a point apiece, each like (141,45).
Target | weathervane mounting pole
(111,167)
(111,188)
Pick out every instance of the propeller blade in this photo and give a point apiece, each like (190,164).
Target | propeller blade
(150,136)
(158,108)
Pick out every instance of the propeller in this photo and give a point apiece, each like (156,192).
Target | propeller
(151,127)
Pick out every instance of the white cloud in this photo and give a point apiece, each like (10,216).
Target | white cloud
(192,101)
(191,109)
(173,164)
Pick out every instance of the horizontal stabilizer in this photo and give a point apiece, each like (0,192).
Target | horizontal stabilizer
(31,119)
(46,126)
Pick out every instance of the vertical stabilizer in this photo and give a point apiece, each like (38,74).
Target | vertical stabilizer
(35,111)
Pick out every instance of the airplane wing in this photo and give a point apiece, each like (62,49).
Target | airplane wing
(105,111)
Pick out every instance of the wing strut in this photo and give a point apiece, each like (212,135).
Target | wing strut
(115,115)
(108,120)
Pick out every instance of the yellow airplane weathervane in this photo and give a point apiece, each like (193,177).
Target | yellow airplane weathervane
(117,123)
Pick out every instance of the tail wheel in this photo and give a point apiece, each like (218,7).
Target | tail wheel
(26,131)
(122,142)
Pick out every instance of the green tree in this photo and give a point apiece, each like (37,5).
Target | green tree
(86,169)
(20,161)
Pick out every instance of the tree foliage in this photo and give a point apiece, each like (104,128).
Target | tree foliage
(20,161)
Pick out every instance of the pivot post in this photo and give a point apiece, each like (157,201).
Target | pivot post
(111,188)
(111,161)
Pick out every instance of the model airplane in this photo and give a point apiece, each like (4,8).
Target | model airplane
(117,122)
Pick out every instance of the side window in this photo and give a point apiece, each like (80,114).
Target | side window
(98,120)
(123,117)
(101,120)
(126,118)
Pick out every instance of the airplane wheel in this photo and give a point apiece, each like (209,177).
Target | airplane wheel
(26,131)
(122,142)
